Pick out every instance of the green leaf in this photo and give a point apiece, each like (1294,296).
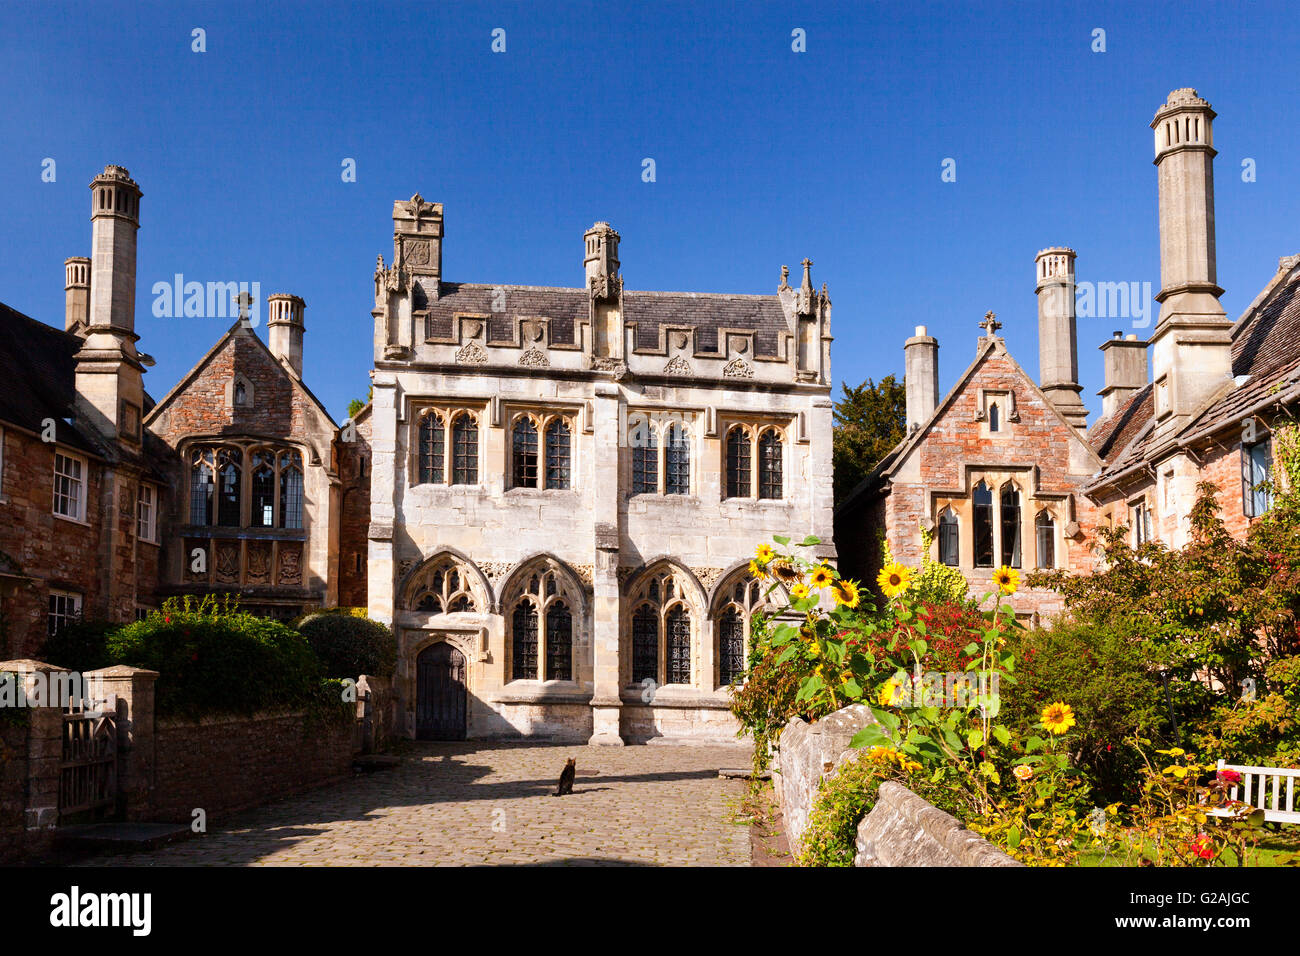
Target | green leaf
(809,541)
(969,649)
(1002,734)
(853,689)
(788,653)
(870,736)
(1013,837)
(781,539)
(974,738)
(810,686)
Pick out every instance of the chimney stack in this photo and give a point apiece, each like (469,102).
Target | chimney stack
(76,294)
(920,377)
(109,376)
(601,258)
(1125,360)
(1058,339)
(285,328)
(1192,344)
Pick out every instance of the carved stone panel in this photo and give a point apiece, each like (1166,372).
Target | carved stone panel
(738,368)
(472,354)
(290,564)
(227,564)
(259,563)
(534,358)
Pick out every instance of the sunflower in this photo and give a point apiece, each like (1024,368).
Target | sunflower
(889,693)
(894,579)
(846,593)
(821,576)
(1057,718)
(763,553)
(799,592)
(757,570)
(1007,579)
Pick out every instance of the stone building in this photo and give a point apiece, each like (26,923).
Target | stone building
(109,502)
(1205,415)
(568,484)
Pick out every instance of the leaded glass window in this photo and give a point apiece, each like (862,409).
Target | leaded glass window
(739,463)
(262,514)
(524,643)
(464,439)
(770,461)
(1045,533)
(559,643)
(677,461)
(983,500)
(229,461)
(645,460)
(525,453)
(432,450)
(645,644)
(677,630)
(557,454)
(1256,472)
(948,538)
(290,490)
(731,647)
(1010,525)
(201,487)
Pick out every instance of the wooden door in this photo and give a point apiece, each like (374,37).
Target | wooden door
(440,693)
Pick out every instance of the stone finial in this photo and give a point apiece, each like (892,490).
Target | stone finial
(1287,263)
(245,301)
(785,279)
(990,325)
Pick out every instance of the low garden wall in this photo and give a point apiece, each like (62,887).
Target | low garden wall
(904,830)
(900,830)
(224,764)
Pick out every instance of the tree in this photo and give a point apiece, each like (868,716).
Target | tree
(357,404)
(869,421)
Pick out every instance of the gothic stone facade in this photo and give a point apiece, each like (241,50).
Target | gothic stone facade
(568,484)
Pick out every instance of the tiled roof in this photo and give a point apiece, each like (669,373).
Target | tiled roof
(37,370)
(649,310)
(1265,362)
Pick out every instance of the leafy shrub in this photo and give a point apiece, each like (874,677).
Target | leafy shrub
(1265,730)
(214,658)
(1112,689)
(80,646)
(350,646)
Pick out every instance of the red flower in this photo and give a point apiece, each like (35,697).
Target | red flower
(167,620)
(1230,776)
(1202,847)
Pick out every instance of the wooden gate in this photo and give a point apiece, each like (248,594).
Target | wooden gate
(88,771)
(440,693)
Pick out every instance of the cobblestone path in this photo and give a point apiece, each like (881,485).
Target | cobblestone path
(489,804)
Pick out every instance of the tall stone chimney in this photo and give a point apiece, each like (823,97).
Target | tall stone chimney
(1125,360)
(920,377)
(601,256)
(1058,338)
(110,389)
(76,294)
(1192,346)
(285,328)
(600,260)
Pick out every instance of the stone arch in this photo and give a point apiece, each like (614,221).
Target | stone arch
(479,586)
(658,563)
(727,579)
(577,588)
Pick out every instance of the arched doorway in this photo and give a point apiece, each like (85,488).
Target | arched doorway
(440,693)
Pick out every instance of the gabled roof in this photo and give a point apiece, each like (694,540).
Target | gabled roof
(566,308)
(239,328)
(1265,366)
(892,461)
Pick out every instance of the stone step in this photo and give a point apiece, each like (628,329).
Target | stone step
(119,837)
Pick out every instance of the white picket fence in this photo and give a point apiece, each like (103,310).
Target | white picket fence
(1278,806)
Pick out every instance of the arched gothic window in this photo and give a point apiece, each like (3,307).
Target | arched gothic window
(983,502)
(645,458)
(949,553)
(557,454)
(541,452)
(738,602)
(273,485)
(464,440)
(262,511)
(1010,525)
(661,631)
(995,416)
(202,486)
(541,630)
(1045,532)
(739,462)
(432,450)
(229,468)
(770,464)
(444,587)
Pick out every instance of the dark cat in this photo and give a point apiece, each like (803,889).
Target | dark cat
(566,779)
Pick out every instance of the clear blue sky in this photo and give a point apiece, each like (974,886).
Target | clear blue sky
(763,156)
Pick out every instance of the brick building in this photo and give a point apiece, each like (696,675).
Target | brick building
(109,502)
(568,485)
(1204,415)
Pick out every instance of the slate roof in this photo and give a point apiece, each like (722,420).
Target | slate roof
(1265,364)
(37,372)
(650,311)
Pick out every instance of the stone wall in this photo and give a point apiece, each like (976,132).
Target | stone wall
(904,830)
(808,753)
(225,764)
(14,837)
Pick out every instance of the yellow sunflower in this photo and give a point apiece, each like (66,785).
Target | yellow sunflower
(758,570)
(783,571)
(894,579)
(1007,579)
(846,593)
(888,693)
(764,553)
(1057,718)
(799,592)
(821,576)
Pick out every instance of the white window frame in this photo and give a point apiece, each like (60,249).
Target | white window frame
(83,481)
(147,497)
(70,612)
